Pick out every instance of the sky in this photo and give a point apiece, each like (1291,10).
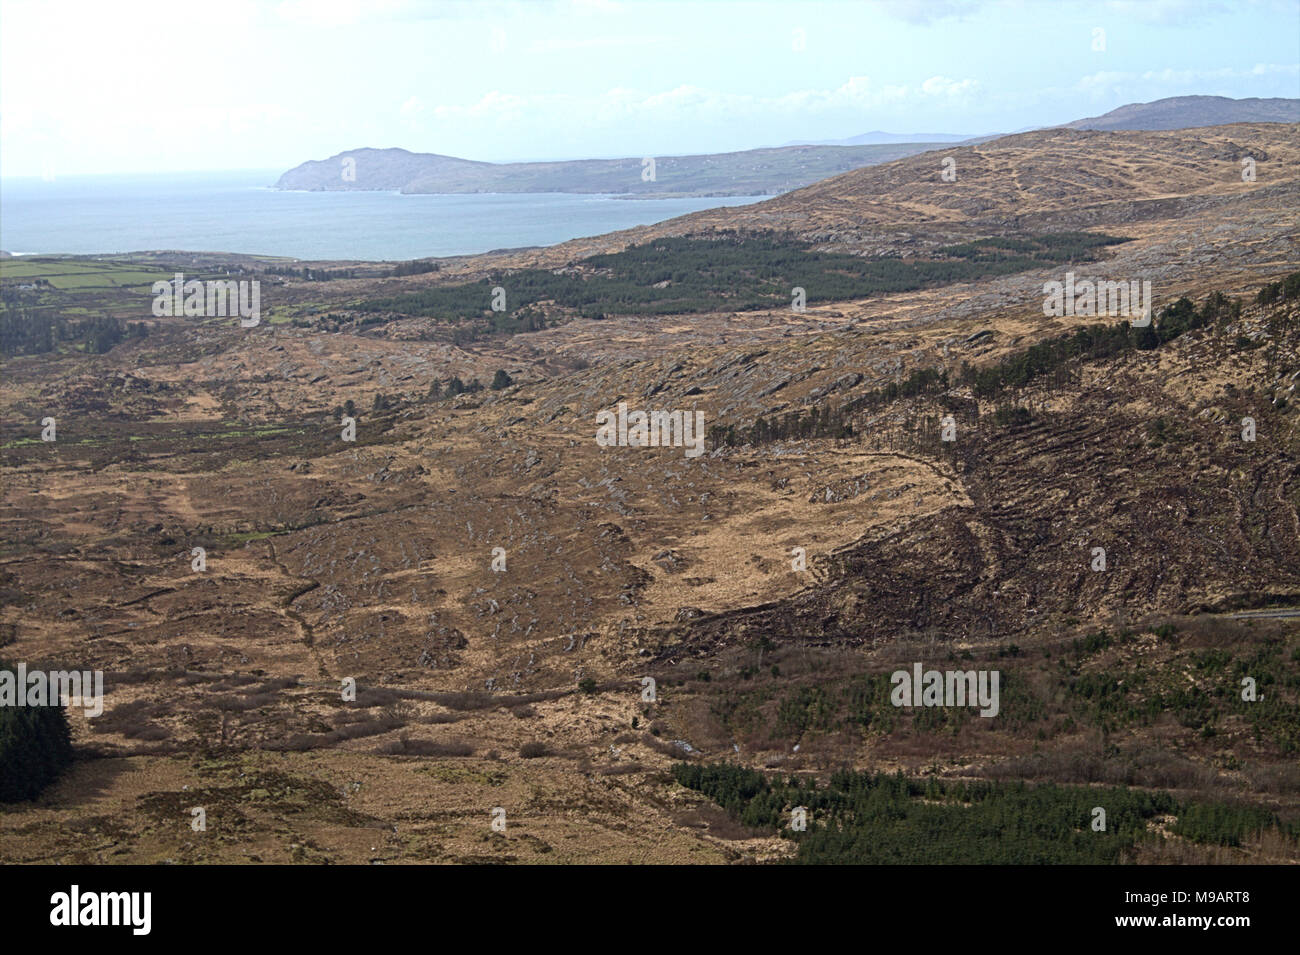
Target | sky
(163,86)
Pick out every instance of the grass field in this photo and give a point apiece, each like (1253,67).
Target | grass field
(78,274)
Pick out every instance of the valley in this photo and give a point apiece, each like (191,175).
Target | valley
(498,583)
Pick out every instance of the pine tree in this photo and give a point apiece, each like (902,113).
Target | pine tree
(35,747)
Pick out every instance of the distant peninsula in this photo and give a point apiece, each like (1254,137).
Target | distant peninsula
(753,172)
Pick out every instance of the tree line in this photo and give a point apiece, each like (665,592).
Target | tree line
(39,330)
(732,271)
(859,818)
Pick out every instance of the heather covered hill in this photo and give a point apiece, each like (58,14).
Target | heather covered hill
(1107,176)
(1185,112)
(1046,180)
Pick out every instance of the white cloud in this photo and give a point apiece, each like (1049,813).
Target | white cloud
(1167,12)
(925,12)
(943,86)
(556,44)
(494,105)
(856,94)
(338,13)
(1111,79)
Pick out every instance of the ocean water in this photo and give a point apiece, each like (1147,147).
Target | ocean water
(239,212)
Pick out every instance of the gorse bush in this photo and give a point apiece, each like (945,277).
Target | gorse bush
(35,747)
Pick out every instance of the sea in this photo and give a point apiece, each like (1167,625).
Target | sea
(241,212)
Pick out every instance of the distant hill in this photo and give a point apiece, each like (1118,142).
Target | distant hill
(876,137)
(1128,178)
(1174,112)
(754,172)
(1187,112)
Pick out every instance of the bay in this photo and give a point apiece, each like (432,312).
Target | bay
(240,212)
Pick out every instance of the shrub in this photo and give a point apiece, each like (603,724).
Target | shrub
(405,746)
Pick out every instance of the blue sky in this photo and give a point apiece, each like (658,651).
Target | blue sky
(169,85)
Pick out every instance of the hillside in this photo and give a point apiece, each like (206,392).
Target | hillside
(1031,181)
(1183,112)
(520,685)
